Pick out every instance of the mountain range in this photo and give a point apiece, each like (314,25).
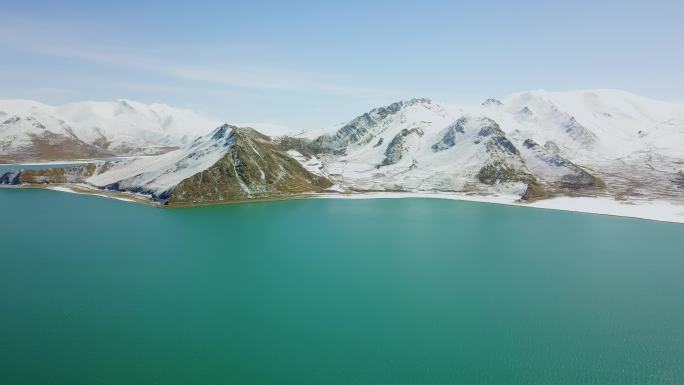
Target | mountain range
(32,131)
(529,145)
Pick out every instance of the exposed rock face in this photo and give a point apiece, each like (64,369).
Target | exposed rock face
(500,172)
(450,133)
(580,180)
(679,180)
(364,128)
(556,170)
(579,133)
(488,131)
(525,112)
(399,145)
(10,178)
(504,164)
(492,102)
(303,146)
(529,143)
(253,167)
(497,140)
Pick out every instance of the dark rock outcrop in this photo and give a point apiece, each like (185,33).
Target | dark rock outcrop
(450,133)
(495,139)
(397,147)
(574,177)
(364,128)
(525,112)
(679,180)
(492,102)
(306,147)
(579,133)
(499,171)
(10,178)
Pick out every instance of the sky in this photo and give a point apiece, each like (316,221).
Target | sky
(312,64)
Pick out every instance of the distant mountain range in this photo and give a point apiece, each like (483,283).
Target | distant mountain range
(32,131)
(531,145)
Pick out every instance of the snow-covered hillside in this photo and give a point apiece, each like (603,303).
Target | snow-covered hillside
(561,141)
(33,131)
(229,163)
(157,174)
(602,123)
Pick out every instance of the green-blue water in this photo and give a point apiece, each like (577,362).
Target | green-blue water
(414,291)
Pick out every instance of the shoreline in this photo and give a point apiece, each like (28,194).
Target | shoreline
(661,211)
(87,190)
(638,209)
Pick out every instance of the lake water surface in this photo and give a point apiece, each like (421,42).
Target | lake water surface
(393,291)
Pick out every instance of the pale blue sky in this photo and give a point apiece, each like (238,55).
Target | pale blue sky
(315,63)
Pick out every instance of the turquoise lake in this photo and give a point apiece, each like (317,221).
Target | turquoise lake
(389,291)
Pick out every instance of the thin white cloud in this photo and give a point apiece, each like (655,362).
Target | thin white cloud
(62,41)
(273,79)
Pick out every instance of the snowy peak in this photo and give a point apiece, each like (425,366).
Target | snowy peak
(229,163)
(392,118)
(421,146)
(29,137)
(121,127)
(155,175)
(450,134)
(491,102)
(475,128)
(610,122)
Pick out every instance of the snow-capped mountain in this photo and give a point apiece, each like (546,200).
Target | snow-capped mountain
(33,131)
(230,163)
(599,123)
(529,145)
(556,141)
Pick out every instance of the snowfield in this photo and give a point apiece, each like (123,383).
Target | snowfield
(651,210)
